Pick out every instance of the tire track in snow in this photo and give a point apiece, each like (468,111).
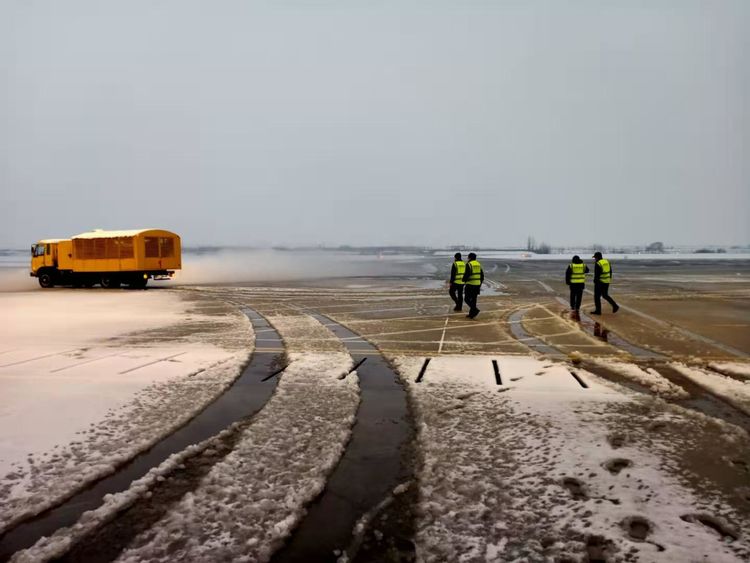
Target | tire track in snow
(245,397)
(369,475)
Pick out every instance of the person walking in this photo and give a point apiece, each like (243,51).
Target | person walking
(473,278)
(602,280)
(457,281)
(575,278)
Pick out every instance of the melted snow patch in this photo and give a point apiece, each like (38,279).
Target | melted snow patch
(527,474)
(733,391)
(732,368)
(251,500)
(649,378)
(69,416)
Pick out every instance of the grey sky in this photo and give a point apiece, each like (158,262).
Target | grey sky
(377,122)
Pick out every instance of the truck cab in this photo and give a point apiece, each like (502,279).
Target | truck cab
(48,257)
(42,255)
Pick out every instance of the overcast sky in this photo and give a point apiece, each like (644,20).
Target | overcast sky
(478,123)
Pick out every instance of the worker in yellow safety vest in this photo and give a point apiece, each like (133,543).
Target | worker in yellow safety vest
(457,282)
(575,278)
(602,280)
(473,278)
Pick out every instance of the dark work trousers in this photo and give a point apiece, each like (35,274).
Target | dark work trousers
(457,294)
(471,292)
(601,291)
(576,295)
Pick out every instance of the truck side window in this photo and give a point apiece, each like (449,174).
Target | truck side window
(39,250)
(152,247)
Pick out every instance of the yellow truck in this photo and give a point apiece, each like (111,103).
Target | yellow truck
(109,258)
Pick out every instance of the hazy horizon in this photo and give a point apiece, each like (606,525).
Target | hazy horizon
(409,123)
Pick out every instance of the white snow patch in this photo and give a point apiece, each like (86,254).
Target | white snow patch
(250,501)
(735,392)
(254,497)
(732,368)
(80,396)
(649,378)
(491,486)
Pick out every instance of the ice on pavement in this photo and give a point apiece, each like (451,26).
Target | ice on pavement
(536,469)
(251,500)
(88,379)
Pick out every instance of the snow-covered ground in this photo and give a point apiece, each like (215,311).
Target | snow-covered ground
(553,463)
(252,500)
(731,390)
(537,469)
(249,501)
(648,378)
(740,369)
(90,378)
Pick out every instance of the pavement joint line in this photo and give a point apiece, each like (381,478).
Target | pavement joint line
(84,363)
(39,358)
(395,353)
(151,363)
(471,325)
(488,312)
(433,343)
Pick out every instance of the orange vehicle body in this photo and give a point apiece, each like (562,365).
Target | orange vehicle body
(108,258)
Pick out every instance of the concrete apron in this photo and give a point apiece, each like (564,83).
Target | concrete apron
(371,466)
(590,325)
(245,397)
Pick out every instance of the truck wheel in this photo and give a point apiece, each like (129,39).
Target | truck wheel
(46,280)
(110,282)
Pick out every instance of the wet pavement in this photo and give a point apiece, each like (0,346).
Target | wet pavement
(371,467)
(660,321)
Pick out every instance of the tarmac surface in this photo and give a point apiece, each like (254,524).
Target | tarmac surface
(677,309)
(694,313)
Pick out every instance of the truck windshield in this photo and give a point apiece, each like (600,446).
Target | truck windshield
(39,250)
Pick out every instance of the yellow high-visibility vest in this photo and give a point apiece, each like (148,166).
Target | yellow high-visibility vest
(476,273)
(606,274)
(578,273)
(460,269)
